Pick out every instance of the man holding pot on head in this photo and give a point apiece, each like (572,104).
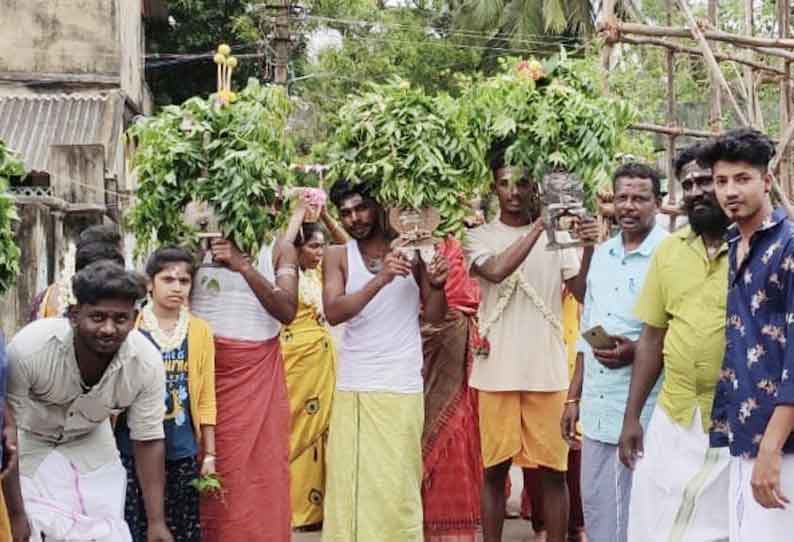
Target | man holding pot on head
(522,378)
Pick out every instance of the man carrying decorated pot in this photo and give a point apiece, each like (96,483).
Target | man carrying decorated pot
(522,378)
(374,449)
(680,486)
(246,302)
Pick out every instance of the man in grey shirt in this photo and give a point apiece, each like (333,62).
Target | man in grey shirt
(66,378)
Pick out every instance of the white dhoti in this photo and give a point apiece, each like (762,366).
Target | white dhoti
(751,522)
(680,487)
(65,505)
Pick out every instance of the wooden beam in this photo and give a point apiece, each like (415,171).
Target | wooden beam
(608,17)
(694,51)
(671,120)
(782,145)
(670,130)
(785,100)
(715,35)
(711,62)
(715,110)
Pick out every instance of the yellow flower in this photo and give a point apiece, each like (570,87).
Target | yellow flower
(224,49)
(405,85)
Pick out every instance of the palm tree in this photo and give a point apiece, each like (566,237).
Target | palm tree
(535,26)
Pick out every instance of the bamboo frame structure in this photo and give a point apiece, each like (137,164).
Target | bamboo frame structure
(759,59)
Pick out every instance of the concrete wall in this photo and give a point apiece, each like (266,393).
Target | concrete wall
(74,42)
(60,37)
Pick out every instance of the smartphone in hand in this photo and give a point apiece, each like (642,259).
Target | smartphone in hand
(598,338)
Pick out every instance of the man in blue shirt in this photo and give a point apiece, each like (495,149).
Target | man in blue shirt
(616,271)
(754,405)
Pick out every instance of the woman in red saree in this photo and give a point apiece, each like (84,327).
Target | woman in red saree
(452,466)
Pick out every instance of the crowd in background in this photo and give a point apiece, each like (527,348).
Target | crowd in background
(341,380)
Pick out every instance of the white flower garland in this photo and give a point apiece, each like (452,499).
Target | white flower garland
(166,342)
(506,292)
(310,290)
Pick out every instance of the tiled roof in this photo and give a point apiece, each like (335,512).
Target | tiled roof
(29,125)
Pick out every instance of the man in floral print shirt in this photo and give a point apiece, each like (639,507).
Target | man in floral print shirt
(754,405)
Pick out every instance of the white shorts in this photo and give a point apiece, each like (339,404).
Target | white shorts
(680,487)
(750,522)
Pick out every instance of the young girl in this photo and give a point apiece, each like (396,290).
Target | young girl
(186,343)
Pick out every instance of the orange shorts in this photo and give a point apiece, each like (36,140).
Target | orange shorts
(523,426)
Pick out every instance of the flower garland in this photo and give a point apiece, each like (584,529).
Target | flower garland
(506,292)
(167,342)
(310,290)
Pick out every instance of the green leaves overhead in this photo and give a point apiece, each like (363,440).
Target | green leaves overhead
(411,150)
(10,167)
(550,116)
(235,158)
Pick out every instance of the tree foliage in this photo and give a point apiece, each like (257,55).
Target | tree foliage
(10,167)
(236,158)
(410,150)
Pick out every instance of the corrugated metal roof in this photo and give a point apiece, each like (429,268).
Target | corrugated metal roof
(31,124)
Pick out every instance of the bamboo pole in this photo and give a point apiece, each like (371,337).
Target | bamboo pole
(671,120)
(694,51)
(785,101)
(711,62)
(782,145)
(670,130)
(749,76)
(715,113)
(714,35)
(608,18)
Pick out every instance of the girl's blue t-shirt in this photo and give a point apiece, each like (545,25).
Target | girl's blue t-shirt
(180,441)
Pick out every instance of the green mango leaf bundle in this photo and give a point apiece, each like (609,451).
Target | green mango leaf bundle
(231,154)
(10,167)
(412,151)
(550,117)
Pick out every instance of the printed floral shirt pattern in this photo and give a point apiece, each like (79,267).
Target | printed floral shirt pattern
(758,368)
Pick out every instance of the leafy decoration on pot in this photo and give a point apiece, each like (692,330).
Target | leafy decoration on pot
(10,167)
(234,157)
(411,150)
(550,117)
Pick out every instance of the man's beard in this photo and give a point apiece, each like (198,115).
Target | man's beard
(711,221)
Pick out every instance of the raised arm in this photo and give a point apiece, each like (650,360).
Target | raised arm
(500,266)
(295,223)
(280,300)
(337,233)
(341,307)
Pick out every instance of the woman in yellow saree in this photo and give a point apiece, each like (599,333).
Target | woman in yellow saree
(310,365)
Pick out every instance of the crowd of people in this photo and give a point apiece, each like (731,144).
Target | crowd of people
(644,385)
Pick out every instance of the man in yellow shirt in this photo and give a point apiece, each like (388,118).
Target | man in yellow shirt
(680,486)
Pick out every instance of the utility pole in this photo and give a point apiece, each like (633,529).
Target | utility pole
(280,16)
(281,43)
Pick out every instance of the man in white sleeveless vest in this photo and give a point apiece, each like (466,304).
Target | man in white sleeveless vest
(245,303)
(522,378)
(374,450)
